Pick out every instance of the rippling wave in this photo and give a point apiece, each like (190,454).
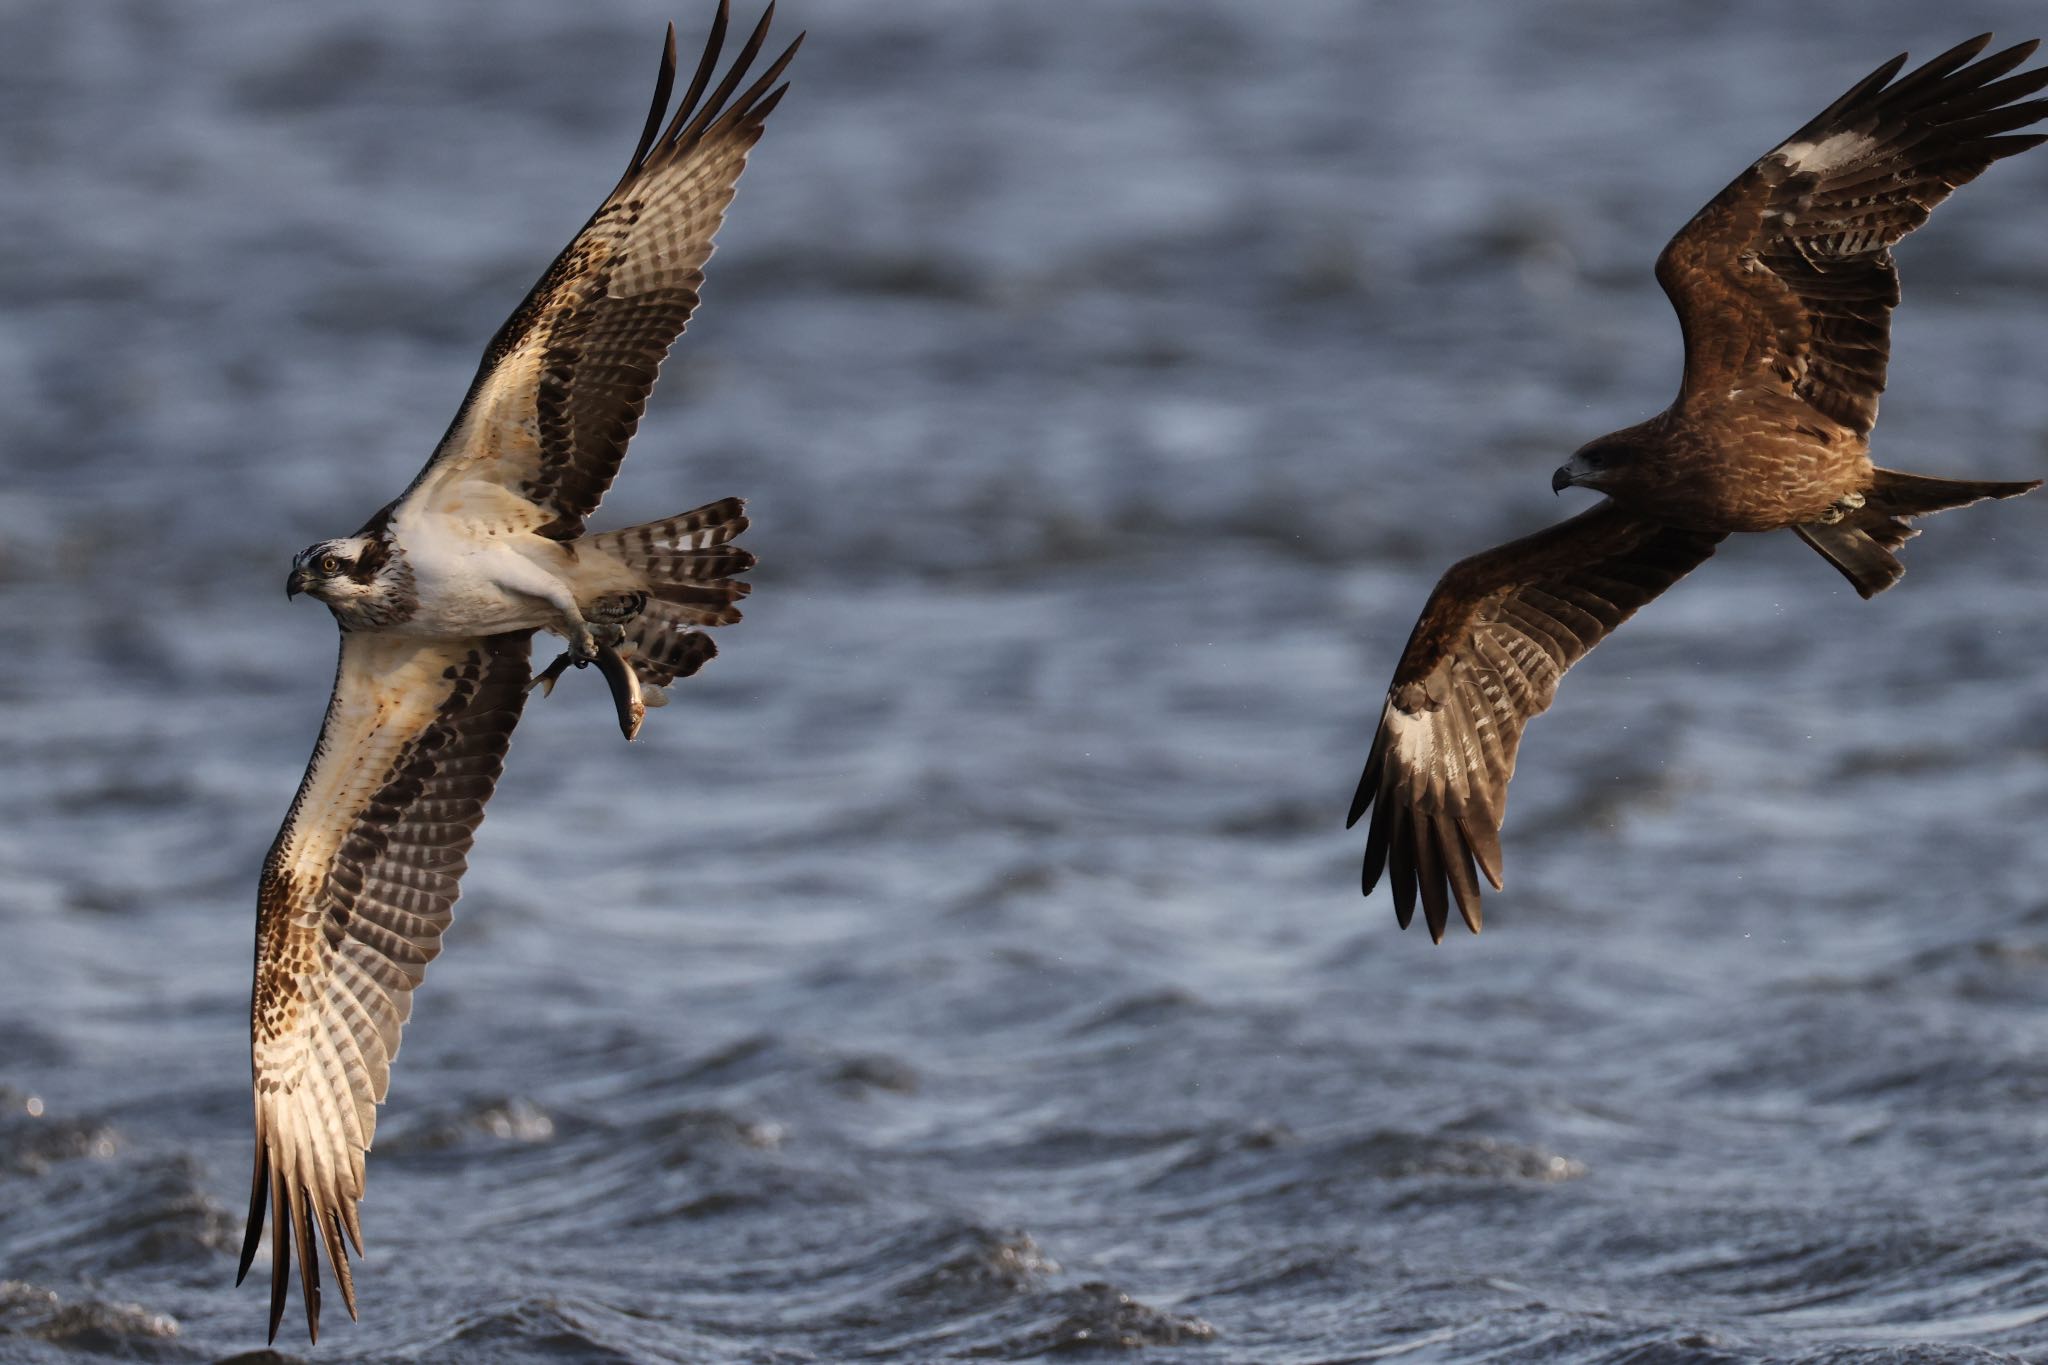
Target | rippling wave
(969,965)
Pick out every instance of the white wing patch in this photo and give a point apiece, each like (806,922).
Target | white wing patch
(1414,740)
(1830,153)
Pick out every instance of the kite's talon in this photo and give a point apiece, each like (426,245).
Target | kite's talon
(1842,508)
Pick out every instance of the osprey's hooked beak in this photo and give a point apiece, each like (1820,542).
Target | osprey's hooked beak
(296,582)
(1562,479)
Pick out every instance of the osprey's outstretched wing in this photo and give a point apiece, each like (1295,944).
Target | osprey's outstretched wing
(1496,635)
(1784,283)
(562,385)
(354,896)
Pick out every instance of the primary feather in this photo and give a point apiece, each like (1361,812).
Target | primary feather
(438,598)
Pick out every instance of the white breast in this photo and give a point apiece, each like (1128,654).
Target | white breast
(479,576)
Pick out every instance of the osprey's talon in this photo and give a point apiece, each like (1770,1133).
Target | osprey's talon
(438,599)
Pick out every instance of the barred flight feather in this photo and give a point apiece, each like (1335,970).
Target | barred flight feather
(346,926)
(1495,639)
(358,888)
(1817,217)
(1784,287)
(562,386)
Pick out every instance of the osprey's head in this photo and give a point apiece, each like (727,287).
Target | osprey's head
(360,578)
(1598,464)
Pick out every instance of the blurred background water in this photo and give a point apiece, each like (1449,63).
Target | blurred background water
(970,964)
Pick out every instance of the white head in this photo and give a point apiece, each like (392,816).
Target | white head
(363,580)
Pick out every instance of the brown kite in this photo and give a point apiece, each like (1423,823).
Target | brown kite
(1784,288)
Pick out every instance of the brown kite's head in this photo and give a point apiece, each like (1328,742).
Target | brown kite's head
(1603,464)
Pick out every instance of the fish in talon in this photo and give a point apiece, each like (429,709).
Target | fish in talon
(625,685)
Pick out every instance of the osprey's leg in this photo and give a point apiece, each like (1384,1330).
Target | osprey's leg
(588,641)
(582,643)
(516,573)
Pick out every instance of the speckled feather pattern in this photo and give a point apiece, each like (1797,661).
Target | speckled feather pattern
(361,881)
(564,382)
(354,896)
(1486,657)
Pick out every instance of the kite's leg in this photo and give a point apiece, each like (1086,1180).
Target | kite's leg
(1842,508)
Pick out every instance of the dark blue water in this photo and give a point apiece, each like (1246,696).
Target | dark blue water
(969,964)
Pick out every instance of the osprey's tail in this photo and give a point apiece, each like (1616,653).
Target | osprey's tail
(1861,543)
(687,563)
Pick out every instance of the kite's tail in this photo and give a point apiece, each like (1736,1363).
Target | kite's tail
(1861,543)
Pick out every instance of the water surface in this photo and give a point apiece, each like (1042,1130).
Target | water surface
(970,965)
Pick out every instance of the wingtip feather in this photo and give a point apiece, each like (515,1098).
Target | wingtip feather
(1369,779)
(1482,837)
(664,86)
(734,74)
(1401,864)
(280,1252)
(714,45)
(1456,855)
(1377,840)
(252,1236)
(1361,800)
(1430,877)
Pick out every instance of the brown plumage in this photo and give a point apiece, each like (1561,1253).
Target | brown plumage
(562,385)
(358,887)
(1784,287)
(364,874)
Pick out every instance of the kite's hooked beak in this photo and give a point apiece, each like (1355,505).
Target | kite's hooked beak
(296,582)
(1562,479)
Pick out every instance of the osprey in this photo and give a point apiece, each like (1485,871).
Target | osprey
(1784,289)
(438,598)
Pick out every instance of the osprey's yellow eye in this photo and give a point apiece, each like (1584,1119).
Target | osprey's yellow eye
(330,565)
